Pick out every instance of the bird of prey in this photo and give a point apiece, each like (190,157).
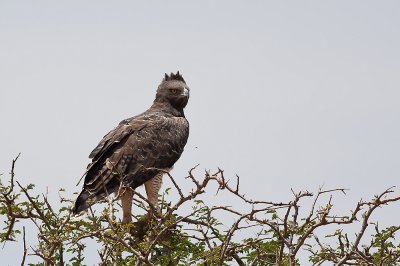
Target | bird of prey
(139,150)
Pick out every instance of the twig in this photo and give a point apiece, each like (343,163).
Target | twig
(25,249)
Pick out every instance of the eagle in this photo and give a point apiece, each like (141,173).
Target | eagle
(139,151)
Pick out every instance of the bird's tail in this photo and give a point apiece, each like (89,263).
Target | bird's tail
(82,203)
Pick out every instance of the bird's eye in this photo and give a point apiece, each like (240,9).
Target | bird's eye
(173,91)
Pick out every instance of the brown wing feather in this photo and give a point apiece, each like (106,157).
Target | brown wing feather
(116,135)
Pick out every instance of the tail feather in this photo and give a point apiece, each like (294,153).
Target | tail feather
(82,203)
(87,199)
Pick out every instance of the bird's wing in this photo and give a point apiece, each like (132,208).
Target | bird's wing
(124,129)
(114,154)
(118,134)
(136,151)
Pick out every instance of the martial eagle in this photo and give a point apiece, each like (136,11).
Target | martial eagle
(139,150)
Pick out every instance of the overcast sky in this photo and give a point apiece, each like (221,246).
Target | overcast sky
(285,94)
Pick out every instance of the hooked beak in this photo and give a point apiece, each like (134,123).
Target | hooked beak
(185,92)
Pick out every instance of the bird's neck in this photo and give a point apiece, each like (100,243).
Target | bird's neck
(166,107)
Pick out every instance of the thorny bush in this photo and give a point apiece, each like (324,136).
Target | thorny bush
(276,232)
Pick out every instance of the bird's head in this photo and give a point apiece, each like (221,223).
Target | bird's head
(173,89)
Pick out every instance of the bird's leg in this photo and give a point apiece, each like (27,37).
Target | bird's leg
(152,188)
(126,202)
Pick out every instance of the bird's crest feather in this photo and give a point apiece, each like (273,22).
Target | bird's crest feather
(173,76)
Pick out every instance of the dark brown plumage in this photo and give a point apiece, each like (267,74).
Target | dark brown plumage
(139,150)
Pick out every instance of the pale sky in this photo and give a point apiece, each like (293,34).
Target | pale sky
(286,94)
